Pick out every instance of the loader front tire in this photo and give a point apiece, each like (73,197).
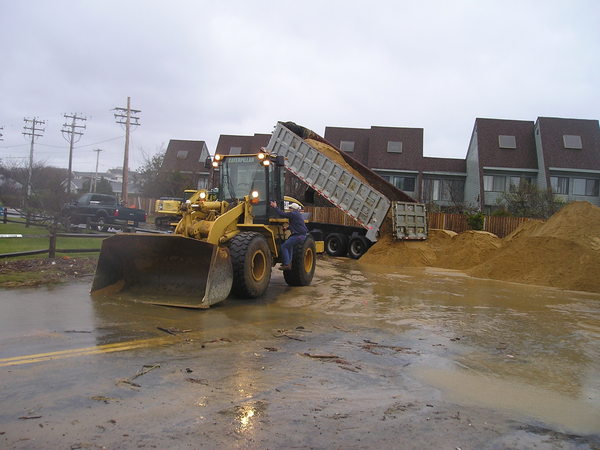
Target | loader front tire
(304,261)
(252,261)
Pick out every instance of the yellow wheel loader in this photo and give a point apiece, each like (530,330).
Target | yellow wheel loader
(218,247)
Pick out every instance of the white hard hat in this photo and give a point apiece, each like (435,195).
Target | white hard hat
(295,206)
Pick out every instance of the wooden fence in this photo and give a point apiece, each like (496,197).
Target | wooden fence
(500,226)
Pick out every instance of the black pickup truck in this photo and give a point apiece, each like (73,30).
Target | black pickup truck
(103,211)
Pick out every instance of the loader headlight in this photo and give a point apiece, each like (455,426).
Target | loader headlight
(266,162)
(202,195)
(215,164)
(254,197)
(218,157)
(261,156)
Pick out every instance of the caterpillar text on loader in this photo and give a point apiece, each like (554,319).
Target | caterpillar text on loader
(220,246)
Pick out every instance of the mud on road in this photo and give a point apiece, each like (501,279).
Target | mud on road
(366,357)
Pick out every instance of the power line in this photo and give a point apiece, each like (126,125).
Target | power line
(34,132)
(129,120)
(71,135)
(98,150)
(99,142)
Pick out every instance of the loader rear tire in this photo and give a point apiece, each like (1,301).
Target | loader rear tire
(304,261)
(252,262)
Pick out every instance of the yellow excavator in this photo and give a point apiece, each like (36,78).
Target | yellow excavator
(222,246)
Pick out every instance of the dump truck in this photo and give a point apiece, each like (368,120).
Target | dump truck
(376,205)
(222,246)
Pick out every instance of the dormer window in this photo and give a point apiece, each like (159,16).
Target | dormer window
(394,147)
(506,141)
(347,146)
(182,154)
(235,150)
(572,141)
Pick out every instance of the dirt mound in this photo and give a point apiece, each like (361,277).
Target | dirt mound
(468,249)
(562,252)
(42,271)
(388,251)
(443,248)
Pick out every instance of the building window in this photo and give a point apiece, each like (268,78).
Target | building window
(182,154)
(443,190)
(347,146)
(572,141)
(235,150)
(560,185)
(505,141)
(394,147)
(516,182)
(583,186)
(494,183)
(403,183)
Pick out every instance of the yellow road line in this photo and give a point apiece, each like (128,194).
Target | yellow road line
(107,348)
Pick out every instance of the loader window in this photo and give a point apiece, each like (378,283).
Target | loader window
(238,176)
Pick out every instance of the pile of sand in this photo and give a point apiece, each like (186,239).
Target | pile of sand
(562,252)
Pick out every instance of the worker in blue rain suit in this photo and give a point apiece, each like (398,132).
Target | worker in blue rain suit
(297,228)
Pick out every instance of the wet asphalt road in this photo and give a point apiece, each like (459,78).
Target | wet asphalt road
(366,357)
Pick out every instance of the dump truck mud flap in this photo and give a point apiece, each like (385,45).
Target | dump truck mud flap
(164,269)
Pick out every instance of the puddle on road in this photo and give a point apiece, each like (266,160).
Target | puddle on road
(528,349)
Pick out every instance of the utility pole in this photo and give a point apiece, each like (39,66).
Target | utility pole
(71,135)
(124,116)
(33,131)
(98,150)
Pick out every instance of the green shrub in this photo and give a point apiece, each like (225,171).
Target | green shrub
(502,212)
(476,220)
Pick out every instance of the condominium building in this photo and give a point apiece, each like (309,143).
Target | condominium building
(552,153)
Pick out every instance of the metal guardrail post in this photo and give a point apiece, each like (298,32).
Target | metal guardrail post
(5,215)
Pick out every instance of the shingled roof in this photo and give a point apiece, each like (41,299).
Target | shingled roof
(185,157)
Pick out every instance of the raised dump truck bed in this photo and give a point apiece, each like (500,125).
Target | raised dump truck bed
(346,183)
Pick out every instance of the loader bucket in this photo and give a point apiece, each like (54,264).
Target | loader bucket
(164,269)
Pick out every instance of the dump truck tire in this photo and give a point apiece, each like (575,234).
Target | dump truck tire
(304,261)
(336,244)
(252,262)
(358,246)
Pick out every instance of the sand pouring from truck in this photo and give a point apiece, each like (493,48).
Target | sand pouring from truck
(218,247)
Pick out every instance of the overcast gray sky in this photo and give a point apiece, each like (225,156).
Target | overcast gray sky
(198,69)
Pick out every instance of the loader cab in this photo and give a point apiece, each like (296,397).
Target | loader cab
(258,174)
